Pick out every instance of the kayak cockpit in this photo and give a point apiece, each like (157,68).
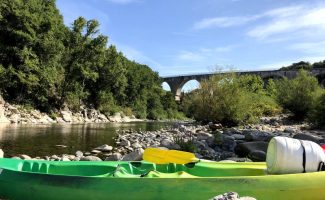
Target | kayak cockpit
(135,169)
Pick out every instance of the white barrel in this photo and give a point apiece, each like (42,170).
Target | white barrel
(285,156)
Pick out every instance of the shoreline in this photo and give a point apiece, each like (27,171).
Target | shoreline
(212,141)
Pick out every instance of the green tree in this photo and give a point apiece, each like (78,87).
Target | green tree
(31,49)
(84,56)
(299,94)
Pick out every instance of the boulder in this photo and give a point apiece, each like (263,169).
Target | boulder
(25,157)
(90,158)
(79,154)
(125,143)
(134,156)
(214,127)
(289,130)
(243,149)
(114,157)
(309,137)
(1,153)
(94,151)
(256,135)
(228,143)
(14,118)
(3,118)
(257,156)
(104,148)
(231,196)
(115,118)
(203,135)
(66,116)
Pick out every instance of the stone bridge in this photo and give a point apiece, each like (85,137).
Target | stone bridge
(176,83)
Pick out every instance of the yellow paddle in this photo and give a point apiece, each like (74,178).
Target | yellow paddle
(161,156)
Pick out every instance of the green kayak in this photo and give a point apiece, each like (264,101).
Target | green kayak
(29,179)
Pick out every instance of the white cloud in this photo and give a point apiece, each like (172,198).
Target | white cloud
(299,21)
(294,20)
(223,22)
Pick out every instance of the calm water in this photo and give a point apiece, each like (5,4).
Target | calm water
(41,140)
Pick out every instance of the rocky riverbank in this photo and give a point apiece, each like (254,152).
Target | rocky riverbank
(210,141)
(18,114)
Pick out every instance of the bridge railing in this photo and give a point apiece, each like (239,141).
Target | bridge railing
(222,72)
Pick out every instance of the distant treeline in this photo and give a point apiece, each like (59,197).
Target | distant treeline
(47,65)
(304,65)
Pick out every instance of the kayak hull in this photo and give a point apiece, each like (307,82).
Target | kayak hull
(16,184)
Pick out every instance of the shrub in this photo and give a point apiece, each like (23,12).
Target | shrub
(185,144)
(317,115)
(230,100)
(107,104)
(299,94)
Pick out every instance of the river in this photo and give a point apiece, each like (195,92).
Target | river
(41,140)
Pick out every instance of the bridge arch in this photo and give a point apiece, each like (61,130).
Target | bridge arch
(166,86)
(190,85)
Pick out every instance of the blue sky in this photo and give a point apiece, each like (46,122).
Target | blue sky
(195,36)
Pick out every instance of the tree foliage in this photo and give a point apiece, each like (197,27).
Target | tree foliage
(299,94)
(49,65)
(230,100)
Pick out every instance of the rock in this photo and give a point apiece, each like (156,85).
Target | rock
(55,157)
(289,130)
(228,143)
(104,148)
(243,149)
(238,136)
(66,116)
(214,127)
(61,146)
(136,145)
(257,156)
(231,196)
(16,157)
(167,143)
(14,118)
(1,153)
(25,157)
(125,143)
(115,118)
(36,114)
(102,117)
(309,137)
(3,118)
(79,154)
(90,158)
(134,156)
(205,136)
(64,158)
(255,135)
(95,151)
(114,157)
(226,196)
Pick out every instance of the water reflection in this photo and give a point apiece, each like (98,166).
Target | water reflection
(40,140)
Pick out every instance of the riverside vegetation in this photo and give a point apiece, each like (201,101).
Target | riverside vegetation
(58,70)
(49,66)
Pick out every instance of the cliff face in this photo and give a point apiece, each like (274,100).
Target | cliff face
(3,118)
(18,114)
